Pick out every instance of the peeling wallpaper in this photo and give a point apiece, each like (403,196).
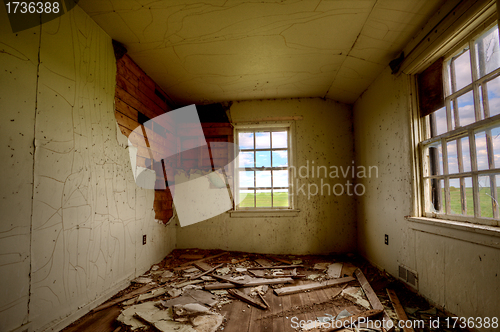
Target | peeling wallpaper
(80,236)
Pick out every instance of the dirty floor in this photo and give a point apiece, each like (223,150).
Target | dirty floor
(212,290)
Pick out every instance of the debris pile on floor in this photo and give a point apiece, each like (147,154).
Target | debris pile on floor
(188,293)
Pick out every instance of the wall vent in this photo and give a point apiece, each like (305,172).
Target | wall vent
(408,276)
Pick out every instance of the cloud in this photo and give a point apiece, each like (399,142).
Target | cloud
(245,140)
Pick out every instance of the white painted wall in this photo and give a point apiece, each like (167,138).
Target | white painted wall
(457,270)
(81,234)
(325,223)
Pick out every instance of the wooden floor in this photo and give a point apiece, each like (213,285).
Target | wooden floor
(304,306)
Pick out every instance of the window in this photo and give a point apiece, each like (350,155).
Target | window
(262,174)
(461,149)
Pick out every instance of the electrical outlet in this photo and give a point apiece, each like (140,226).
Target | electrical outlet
(386,239)
(143,239)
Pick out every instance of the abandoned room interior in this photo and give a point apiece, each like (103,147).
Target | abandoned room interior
(237,165)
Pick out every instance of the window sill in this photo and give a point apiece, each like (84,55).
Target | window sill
(263,213)
(474,233)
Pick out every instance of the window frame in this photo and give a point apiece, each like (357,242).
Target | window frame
(454,133)
(289,126)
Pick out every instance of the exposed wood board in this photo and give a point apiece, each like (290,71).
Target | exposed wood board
(373,298)
(274,267)
(263,262)
(204,259)
(206,272)
(282,260)
(400,311)
(253,283)
(247,299)
(229,279)
(311,286)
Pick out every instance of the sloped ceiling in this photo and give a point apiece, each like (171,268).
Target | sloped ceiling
(228,50)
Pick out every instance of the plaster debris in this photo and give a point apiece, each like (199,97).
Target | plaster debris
(321,266)
(155,267)
(223,271)
(154,293)
(191,270)
(207,323)
(186,283)
(127,316)
(335,270)
(167,274)
(174,292)
(356,295)
(190,309)
(142,280)
(241,269)
(313,276)
(297,261)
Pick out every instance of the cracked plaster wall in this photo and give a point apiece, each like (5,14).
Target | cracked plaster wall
(456,270)
(79,239)
(325,223)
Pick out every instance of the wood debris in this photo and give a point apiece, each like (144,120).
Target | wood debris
(311,286)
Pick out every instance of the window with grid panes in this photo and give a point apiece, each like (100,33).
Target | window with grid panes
(263,168)
(461,152)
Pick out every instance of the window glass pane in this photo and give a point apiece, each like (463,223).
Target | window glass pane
(246,159)
(466,154)
(262,158)
(495,139)
(280,198)
(245,140)
(451,148)
(460,71)
(246,198)
(263,198)
(262,140)
(485,202)
(435,159)
(280,139)
(465,105)
(263,178)
(467,192)
(246,179)
(440,126)
(481,151)
(493,88)
(487,52)
(280,158)
(280,178)
(455,197)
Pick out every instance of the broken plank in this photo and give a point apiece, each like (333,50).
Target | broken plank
(206,272)
(242,296)
(228,279)
(274,267)
(276,258)
(400,311)
(125,297)
(348,321)
(263,300)
(373,298)
(202,266)
(205,259)
(263,262)
(311,286)
(253,283)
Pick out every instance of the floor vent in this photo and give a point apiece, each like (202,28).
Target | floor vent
(408,276)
